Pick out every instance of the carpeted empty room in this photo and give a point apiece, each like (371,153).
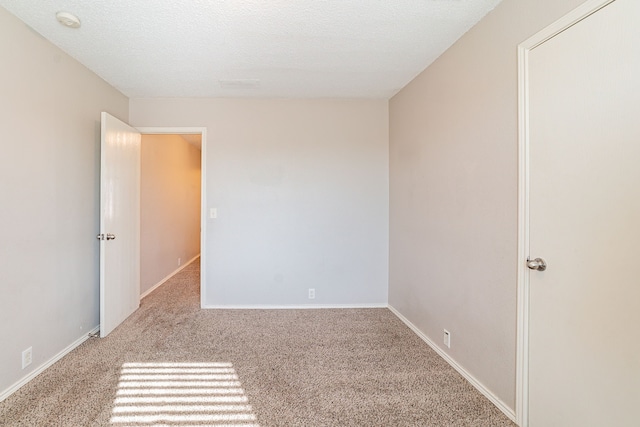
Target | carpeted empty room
(172,363)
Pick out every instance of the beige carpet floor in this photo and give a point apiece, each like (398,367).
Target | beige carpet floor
(173,364)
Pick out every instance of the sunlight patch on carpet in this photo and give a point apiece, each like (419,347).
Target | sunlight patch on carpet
(181,394)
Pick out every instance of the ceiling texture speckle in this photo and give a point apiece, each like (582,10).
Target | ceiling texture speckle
(255,48)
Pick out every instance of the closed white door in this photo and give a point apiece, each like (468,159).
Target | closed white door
(584,324)
(119,223)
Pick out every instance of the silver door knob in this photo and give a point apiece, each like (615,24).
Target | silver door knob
(107,236)
(537,264)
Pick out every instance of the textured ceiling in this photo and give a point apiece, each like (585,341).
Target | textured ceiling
(255,48)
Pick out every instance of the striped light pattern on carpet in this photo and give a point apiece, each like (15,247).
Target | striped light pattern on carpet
(180,394)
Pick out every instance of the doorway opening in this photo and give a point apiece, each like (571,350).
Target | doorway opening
(172,204)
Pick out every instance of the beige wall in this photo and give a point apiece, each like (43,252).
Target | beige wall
(301,188)
(49,173)
(169,206)
(453,194)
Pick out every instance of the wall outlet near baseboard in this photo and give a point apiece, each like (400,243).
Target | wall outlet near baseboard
(447,338)
(179,262)
(27,357)
(312,293)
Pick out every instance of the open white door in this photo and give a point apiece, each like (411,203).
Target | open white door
(119,222)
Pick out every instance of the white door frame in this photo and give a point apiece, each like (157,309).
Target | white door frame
(203,193)
(522,351)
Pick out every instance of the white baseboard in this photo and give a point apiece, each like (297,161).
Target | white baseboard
(12,389)
(291,307)
(173,273)
(474,382)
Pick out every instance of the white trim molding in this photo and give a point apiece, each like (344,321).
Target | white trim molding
(522,351)
(169,276)
(203,192)
(15,387)
(474,382)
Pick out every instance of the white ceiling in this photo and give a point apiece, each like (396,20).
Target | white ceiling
(255,48)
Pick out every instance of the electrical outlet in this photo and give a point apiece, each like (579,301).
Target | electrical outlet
(179,262)
(447,338)
(312,293)
(27,357)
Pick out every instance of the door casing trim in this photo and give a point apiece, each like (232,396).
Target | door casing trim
(522,351)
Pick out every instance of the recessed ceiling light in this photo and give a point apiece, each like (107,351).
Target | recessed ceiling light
(68,19)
